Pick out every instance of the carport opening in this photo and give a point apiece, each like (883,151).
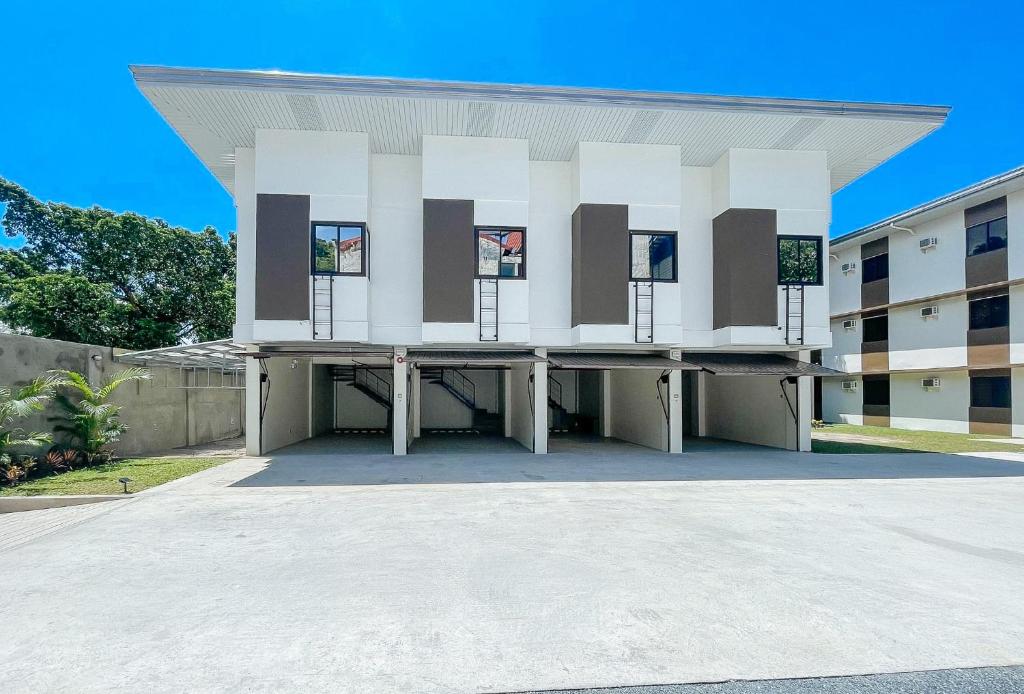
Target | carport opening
(326,405)
(593,407)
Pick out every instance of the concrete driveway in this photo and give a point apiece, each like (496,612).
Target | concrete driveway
(475,573)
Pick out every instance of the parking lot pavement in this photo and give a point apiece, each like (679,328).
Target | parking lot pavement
(246,579)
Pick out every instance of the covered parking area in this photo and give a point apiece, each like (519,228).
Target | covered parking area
(473,401)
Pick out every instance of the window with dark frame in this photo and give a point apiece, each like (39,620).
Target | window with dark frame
(875,268)
(876,390)
(338,248)
(991,312)
(500,253)
(990,391)
(652,256)
(985,237)
(876,328)
(799,259)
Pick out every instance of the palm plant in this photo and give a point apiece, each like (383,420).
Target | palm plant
(15,405)
(89,419)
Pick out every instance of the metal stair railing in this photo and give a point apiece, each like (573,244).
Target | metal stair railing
(371,381)
(794,314)
(554,392)
(323,307)
(456,383)
(643,312)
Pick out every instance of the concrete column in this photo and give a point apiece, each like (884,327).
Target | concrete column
(675,411)
(252,404)
(507,400)
(540,404)
(804,406)
(414,402)
(700,394)
(606,403)
(400,404)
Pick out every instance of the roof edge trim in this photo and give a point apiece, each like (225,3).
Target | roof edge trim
(153,75)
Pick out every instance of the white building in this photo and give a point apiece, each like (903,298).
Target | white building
(928,315)
(418,257)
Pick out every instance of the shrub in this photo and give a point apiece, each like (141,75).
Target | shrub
(90,421)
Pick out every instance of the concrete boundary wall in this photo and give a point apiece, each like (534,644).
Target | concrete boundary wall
(159,413)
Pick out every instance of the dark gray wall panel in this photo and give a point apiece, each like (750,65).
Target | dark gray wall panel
(874,293)
(986,268)
(448,261)
(873,248)
(600,265)
(986,212)
(282,257)
(746,273)
(989,336)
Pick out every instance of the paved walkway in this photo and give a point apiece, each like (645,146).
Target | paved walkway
(19,528)
(514,572)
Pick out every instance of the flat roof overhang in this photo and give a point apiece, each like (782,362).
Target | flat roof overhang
(740,364)
(597,360)
(470,358)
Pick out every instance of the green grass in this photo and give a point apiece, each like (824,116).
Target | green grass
(102,479)
(904,441)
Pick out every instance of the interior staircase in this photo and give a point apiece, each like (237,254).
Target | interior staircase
(462,389)
(561,420)
(369,383)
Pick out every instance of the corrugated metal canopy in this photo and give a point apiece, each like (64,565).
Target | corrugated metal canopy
(739,364)
(218,354)
(216,111)
(598,360)
(470,357)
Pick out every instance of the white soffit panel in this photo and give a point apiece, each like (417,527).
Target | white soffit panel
(216,111)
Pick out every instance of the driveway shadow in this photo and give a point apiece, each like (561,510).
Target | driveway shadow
(315,464)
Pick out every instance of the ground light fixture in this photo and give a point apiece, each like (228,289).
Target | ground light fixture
(125,481)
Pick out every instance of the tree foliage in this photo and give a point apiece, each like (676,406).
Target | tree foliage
(118,279)
(90,420)
(15,405)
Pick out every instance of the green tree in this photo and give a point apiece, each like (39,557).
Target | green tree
(118,279)
(90,420)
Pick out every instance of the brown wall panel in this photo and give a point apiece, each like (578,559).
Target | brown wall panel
(873,248)
(874,361)
(871,420)
(986,268)
(874,293)
(985,212)
(989,428)
(600,265)
(448,261)
(982,356)
(746,272)
(282,257)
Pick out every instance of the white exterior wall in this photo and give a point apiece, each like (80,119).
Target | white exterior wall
(549,253)
(913,273)
(796,184)
(942,409)
(844,355)
(841,406)
(1015,233)
(396,250)
(1017,396)
(245,243)
(636,413)
(287,417)
(695,257)
(844,288)
(928,343)
(519,396)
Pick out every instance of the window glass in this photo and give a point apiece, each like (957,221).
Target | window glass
(876,328)
(990,236)
(876,390)
(799,260)
(350,250)
(993,312)
(876,268)
(500,253)
(325,248)
(990,391)
(652,257)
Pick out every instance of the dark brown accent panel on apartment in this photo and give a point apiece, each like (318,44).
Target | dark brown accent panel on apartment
(991,415)
(989,336)
(874,293)
(600,265)
(985,212)
(745,268)
(873,248)
(986,268)
(282,257)
(449,261)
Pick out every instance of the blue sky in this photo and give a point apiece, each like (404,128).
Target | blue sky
(75,129)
